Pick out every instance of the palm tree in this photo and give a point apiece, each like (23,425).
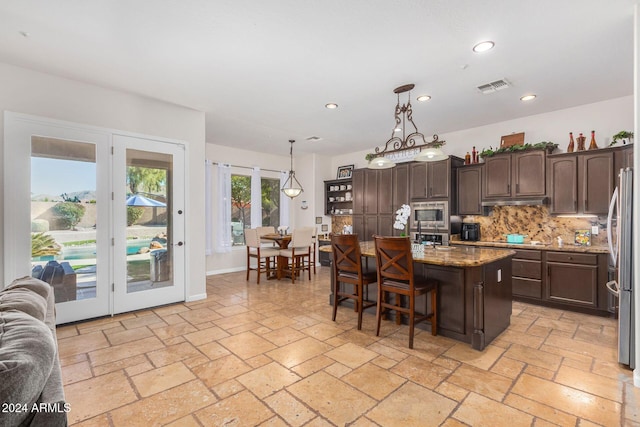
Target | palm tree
(42,244)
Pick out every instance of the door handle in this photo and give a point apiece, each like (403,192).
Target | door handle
(179,244)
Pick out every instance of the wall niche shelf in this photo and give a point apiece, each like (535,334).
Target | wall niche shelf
(338,197)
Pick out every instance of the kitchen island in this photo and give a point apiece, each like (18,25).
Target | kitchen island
(474,292)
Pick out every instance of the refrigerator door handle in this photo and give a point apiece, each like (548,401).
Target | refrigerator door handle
(612,287)
(613,250)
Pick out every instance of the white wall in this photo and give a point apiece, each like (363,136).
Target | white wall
(29,92)
(607,118)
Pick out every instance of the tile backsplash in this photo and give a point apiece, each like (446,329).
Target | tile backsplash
(536,223)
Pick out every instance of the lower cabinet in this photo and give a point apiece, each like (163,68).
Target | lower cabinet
(569,280)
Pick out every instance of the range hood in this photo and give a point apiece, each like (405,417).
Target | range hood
(523,201)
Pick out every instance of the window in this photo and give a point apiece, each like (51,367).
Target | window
(241,203)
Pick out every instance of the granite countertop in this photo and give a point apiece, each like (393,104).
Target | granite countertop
(541,246)
(452,256)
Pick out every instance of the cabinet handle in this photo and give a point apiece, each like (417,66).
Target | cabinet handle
(575,205)
(586,205)
(518,188)
(508,188)
(430,191)
(549,271)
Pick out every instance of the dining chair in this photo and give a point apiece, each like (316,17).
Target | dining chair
(298,251)
(395,275)
(270,229)
(348,270)
(264,255)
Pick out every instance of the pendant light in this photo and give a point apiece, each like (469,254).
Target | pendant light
(292,188)
(431,154)
(380,163)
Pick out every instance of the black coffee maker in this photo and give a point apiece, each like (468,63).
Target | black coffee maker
(470,231)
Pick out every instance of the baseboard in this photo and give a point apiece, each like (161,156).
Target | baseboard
(196,297)
(226,270)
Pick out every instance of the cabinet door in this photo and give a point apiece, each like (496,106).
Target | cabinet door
(385,225)
(596,182)
(418,180)
(400,186)
(572,283)
(469,190)
(628,158)
(358,226)
(358,191)
(385,191)
(370,191)
(529,173)
(563,184)
(370,227)
(438,177)
(497,176)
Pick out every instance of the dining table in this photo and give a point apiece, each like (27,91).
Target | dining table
(282,240)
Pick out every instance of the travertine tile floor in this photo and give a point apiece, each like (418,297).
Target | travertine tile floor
(270,355)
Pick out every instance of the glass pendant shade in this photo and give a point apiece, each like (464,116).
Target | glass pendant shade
(431,154)
(292,188)
(380,163)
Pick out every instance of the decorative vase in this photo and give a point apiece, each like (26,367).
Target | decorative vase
(592,144)
(581,139)
(571,146)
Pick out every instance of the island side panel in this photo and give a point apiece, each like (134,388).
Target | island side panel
(497,299)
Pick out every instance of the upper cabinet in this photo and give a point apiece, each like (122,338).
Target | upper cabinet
(372,210)
(514,175)
(433,180)
(470,190)
(581,183)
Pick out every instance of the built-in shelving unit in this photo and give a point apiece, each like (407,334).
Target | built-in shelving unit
(338,197)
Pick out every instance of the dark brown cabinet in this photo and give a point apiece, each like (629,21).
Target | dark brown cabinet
(469,192)
(357,179)
(526,271)
(385,191)
(573,279)
(372,212)
(581,183)
(515,175)
(563,184)
(433,180)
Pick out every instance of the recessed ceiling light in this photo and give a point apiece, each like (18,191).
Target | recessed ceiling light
(527,97)
(331,106)
(483,46)
(423,98)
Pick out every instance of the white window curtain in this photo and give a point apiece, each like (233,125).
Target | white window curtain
(256,198)
(208,207)
(223,241)
(284,201)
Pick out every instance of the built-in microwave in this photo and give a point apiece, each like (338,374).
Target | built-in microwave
(430,216)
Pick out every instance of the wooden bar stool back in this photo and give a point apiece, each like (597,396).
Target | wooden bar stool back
(348,269)
(395,275)
(264,256)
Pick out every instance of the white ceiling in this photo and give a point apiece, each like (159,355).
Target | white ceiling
(262,71)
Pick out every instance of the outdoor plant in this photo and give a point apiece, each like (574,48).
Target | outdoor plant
(43,244)
(133,214)
(69,213)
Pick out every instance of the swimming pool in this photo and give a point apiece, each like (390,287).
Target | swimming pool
(89,251)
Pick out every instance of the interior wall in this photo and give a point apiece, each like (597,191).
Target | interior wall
(30,92)
(607,118)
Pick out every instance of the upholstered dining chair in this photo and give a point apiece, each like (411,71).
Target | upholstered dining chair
(395,275)
(264,256)
(270,229)
(350,276)
(298,254)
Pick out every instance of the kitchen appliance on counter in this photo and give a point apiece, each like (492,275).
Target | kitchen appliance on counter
(621,256)
(470,231)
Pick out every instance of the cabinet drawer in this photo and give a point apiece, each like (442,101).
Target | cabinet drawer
(526,268)
(527,254)
(527,287)
(573,258)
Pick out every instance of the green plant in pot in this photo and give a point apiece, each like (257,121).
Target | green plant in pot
(624,135)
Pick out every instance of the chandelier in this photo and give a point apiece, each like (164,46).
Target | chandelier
(292,187)
(408,145)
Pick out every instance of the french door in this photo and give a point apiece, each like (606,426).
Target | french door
(70,208)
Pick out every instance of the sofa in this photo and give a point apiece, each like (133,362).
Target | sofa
(31,391)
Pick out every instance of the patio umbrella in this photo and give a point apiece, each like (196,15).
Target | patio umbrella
(138,200)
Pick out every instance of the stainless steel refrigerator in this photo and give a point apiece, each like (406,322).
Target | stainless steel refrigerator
(621,252)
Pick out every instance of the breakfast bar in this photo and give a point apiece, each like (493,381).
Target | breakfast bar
(474,294)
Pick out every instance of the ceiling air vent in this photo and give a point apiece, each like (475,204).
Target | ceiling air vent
(493,86)
(314,138)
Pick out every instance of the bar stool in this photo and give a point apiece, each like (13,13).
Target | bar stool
(347,268)
(395,275)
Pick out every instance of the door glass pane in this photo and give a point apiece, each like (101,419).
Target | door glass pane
(64,216)
(240,207)
(149,234)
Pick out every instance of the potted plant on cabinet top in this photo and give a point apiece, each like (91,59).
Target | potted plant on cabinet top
(624,136)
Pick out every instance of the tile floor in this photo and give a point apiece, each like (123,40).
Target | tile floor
(270,355)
